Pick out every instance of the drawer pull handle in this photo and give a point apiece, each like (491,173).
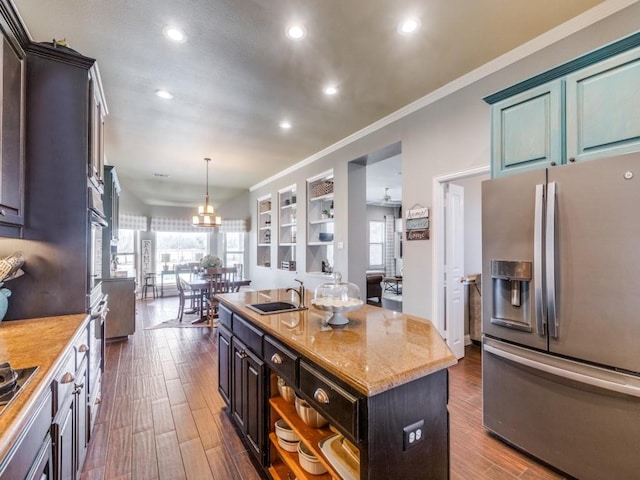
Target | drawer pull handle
(77,388)
(321,396)
(83,348)
(2,212)
(276,359)
(97,401)
(67,378)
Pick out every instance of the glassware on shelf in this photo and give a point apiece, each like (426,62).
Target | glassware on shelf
(337,297)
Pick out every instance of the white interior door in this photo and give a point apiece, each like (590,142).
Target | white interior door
(454,268)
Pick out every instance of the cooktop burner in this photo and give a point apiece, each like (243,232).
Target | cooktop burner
(12,381)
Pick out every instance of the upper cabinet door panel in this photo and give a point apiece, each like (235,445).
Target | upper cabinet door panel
(526,130)
(11,140)
(603,108)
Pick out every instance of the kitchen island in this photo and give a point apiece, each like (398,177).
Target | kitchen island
(381,381)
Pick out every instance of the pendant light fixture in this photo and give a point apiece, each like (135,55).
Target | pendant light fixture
(206,216)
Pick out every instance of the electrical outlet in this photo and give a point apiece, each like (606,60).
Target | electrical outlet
(412,434)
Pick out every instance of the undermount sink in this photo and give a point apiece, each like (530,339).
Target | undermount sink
(271,308)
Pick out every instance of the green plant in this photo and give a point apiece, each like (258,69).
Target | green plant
(210,261)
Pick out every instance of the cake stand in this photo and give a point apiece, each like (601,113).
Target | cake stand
(337,319)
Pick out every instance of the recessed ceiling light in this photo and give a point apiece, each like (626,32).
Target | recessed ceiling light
(164,94)
(296,32)
(174,33)
(410,25)
(330,90)
(285,125)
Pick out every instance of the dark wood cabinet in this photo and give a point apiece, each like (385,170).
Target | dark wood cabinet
(96,112)
(70,427)
(57,227)
(12,90)
(247,399)
(224,359)
(111,201)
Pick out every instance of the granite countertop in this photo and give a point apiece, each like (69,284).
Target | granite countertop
(378,350)
(27,343)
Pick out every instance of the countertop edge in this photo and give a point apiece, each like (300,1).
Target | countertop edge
(34,391)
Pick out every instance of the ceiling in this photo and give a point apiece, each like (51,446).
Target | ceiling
(238,76)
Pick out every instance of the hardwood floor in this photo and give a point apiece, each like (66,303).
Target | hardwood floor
(161,416)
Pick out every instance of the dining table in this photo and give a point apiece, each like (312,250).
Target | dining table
(202,284)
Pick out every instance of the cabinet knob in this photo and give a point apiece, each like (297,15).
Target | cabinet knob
(2,212)
(97,401)
(572,159)
(243,354)
(553,164)
(77,388)
(321,396)
(276,359)
(67,378)
(83,348)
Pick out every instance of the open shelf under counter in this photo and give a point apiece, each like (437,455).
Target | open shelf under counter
(310,436)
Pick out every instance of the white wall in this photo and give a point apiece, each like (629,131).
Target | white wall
(472,222)
(449,135)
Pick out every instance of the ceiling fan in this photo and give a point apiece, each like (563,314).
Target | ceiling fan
(386,198)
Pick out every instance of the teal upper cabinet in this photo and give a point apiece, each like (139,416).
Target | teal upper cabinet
(603,108)
(526,130)
(582,110)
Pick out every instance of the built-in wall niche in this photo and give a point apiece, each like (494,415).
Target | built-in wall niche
(264,214)
(288,228)
(320,223)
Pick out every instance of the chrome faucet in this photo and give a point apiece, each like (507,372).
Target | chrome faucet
(300,292)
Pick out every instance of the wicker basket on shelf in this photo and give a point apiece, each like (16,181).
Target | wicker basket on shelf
(322,188)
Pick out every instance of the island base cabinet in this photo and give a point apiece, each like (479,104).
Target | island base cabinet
(248,397)
(388,413)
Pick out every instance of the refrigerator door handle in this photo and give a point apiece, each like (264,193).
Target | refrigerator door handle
(540,307)
(568,374)
(550,259)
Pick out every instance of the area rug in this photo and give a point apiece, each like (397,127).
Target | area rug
(174,323)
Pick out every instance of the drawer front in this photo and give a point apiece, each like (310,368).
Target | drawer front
(224,316)
(281,360)
(331,400)
(250,335)
(81,347)
(63,383)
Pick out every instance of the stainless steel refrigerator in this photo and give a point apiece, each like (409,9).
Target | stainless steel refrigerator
(561,315)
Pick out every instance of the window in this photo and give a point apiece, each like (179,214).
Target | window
(178,248)
(126,258)
(376,244)
(234,249)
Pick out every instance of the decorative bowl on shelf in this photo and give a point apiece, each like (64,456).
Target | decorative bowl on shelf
(308,414)
(308,461)
(325,237)
(286,392)
(337,297)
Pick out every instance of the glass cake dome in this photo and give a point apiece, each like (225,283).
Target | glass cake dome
(337,297)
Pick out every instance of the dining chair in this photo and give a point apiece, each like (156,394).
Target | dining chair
(221,280)
(184,293)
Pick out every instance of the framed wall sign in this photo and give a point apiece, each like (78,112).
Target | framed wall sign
(417,224)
